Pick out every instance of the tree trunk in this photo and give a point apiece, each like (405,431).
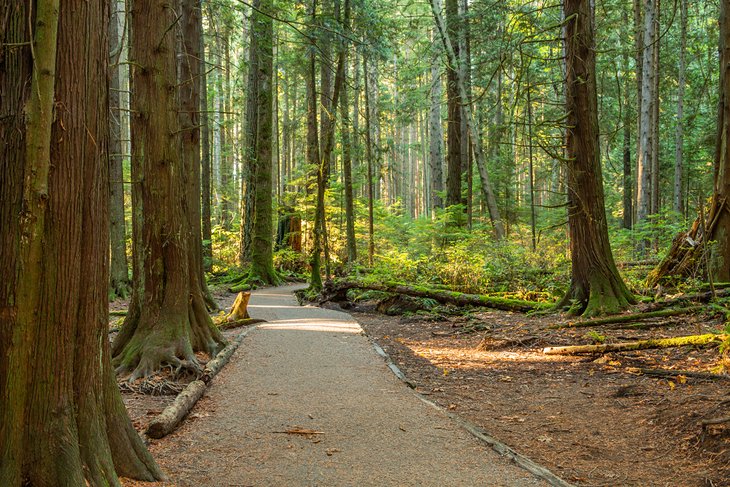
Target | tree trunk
(167,320)
(62,421)
(678,197)
(119,281)
(313,153)
(720,232)
(347,151)
(595,286)
(370,163)
(628,192)
(644,187)
(436,131)
(205,162)
(262,262)
(453,124)
(474,135)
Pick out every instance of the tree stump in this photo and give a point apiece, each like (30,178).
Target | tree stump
(239,311)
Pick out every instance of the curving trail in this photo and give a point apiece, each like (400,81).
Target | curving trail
(313,369)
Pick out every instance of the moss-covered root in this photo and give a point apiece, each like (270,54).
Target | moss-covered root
(630,318)
(599,295)
(696,340)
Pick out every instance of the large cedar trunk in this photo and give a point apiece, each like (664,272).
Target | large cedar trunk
(720,264)
(167,320)
(62,420)
(596,286)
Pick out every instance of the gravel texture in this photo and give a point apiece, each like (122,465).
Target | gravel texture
(313,369)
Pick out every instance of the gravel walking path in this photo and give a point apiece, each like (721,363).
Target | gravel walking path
(313,369)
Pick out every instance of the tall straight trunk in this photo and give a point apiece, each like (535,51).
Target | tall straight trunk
(435,130)
(644,196)
(167,320)
(62,420)
(454,128)
(720,265)
(595,285)
(370,172)
(262,29)
(655,200)
(205,161)
(313,152)
(465,67)
(189,70)
(628,212)
(678,198)
(639,63)
(250,149)
(347,151)
(474,136)
(119,282)
(226,160)
(320,233)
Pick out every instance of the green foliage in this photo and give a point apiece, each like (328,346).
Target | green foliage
(596,337)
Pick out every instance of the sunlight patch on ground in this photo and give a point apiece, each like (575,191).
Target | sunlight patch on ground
(313,324)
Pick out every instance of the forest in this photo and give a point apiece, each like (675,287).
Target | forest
(522,204)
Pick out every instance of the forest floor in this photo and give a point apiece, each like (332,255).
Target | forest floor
(593,421)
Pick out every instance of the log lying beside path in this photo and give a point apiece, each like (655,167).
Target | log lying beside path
(337,291)
(170,418)
(686,373)
(638,345)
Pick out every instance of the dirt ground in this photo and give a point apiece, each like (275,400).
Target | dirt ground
(594,421)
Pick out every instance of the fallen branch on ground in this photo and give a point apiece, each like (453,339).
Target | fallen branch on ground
(704,297)
(227,325)
(626,318)
(337,291)
(638,345)
(709,422)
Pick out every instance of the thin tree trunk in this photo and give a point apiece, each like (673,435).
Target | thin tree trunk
(454,132)
(119,281)
(628,192)
(474,135)
(644,196)
(205,162)
(347,150)
(369,157)
(436,132)
(678,198)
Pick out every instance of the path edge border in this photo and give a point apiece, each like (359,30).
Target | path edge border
(476,431)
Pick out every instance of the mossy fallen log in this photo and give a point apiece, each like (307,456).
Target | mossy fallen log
(227,325)
(630,318)
(696,340)
(703,297)
(337,291)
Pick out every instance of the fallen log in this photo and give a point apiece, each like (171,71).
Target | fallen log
(227,325)
(118,313)
(337,291)
(685,373)
(628,318)
(168,420)
(637,345)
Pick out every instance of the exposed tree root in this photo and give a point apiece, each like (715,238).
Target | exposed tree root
(704,297)
(228,325)
(629,318)
(638,345)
